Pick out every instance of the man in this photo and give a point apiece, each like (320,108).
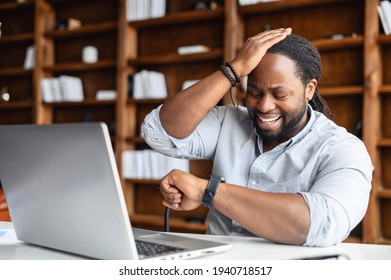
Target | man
(291,175)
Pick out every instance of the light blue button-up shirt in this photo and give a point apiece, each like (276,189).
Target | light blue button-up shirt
(324,163)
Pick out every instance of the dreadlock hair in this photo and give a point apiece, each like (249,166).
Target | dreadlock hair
(308,65)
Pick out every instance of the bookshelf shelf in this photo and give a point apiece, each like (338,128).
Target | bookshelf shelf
(172,58)
(337,44)
(85,103)
(135,140)
(145,101)
(178,18)
(13,6)
(16,105)
(341,90)
(15,71)
(384,193)
(281,5)
(385,89)
(81,66)
(89,30)
(384,142)
(143,181)
(17,38)
(383,39)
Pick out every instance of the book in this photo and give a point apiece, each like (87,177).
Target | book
(63,88)
(150,164)
(29,60)
(130,85)
(46,89)
(137,91)
(157,85)
(71,88)
(144,9)
(106,95)
(56,89)
(384,11)
(158,8)
(192,49)
(127,158)
(147,84)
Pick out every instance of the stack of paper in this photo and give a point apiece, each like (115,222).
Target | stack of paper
(384,10)
(63,88)
(148,84)
(144,9)
(149,164)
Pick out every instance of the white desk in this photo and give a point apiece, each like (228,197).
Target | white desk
(243,249)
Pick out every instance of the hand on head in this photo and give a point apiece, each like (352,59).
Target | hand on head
(255,48)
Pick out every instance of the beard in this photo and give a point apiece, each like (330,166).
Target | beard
(286,128)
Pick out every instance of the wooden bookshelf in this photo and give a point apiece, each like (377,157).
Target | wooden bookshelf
(152,45)
(355,82)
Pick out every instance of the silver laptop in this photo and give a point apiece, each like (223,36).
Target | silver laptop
(63,192)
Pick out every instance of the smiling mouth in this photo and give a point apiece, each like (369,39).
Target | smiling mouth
(269,120)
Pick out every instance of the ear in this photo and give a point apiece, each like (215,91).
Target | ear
(310,89)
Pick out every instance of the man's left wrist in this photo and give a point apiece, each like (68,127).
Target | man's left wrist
(210,190)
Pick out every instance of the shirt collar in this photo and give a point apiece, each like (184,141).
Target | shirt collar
(306,129)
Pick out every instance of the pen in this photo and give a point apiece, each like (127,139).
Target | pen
(327,257)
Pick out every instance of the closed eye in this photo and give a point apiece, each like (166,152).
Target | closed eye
(255,94)
(280,96)
(281,93)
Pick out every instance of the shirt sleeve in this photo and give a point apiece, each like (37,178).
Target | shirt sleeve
(200,144)
(339,197)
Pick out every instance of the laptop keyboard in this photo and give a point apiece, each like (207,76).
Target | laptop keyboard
(148,249)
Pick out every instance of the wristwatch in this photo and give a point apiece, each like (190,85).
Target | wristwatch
(210,190)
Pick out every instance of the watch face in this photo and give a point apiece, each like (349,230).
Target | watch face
(208,199)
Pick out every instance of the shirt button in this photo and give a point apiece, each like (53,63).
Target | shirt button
(253,183)
(239,230)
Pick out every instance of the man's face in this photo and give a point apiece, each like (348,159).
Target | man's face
(276,99)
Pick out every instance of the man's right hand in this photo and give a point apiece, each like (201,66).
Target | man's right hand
(255,48)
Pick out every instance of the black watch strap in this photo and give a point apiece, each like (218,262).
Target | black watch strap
(210,190)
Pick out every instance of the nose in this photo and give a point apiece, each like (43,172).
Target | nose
(266,103)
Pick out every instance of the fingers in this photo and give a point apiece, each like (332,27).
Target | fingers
(271,37)
(172,200)
(171,194)
(269,34)
(255,48)
(180,190)
(174,206)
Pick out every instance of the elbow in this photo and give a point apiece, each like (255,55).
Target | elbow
(329,232)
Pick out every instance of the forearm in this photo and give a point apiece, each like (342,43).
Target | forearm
(282,218)
(181,114)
